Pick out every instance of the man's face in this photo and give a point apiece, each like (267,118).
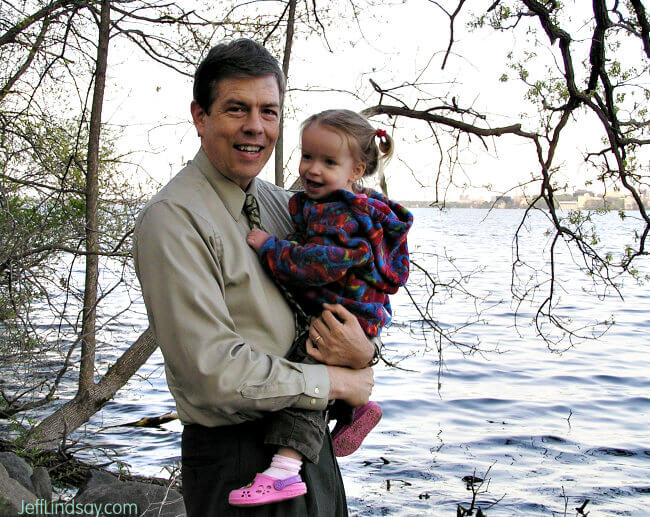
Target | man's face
(239,134)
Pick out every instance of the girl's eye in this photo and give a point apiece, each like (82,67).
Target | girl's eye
(306,156)
(330,162)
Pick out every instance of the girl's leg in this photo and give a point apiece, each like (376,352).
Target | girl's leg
(296,432)
(285,464)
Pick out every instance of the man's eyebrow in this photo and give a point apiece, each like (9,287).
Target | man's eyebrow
(239,102)
(236,102)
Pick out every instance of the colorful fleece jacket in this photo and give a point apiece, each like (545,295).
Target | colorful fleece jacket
(348,249)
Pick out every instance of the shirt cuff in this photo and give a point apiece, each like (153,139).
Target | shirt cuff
(376,356)
(317,387)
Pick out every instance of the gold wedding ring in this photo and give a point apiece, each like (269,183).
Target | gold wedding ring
(317,338)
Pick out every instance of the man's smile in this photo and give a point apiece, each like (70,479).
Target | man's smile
(248,148)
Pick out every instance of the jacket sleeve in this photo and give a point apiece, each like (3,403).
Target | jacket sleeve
(214,370)
(311,263)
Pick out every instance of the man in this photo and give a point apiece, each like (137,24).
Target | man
(222,324)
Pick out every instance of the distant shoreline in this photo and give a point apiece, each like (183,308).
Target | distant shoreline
(500,205)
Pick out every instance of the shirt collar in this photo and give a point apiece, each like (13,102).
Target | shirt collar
(231,194)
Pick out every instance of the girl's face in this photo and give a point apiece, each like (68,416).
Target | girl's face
(327,163)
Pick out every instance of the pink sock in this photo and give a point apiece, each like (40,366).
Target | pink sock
(283,467)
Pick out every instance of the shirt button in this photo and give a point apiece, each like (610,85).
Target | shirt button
(317,390)
(312,402)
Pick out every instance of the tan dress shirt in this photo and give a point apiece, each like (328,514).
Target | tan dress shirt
(221,323)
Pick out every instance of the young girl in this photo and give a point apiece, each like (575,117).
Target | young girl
(349,247)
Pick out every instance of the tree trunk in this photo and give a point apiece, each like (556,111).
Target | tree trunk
(279,146)
(90,397)
(51,431)
(87,366)
(279,156)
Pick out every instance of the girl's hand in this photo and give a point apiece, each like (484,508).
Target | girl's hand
(342,341)
(256,238)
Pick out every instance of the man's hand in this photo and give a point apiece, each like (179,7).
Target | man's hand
(256,238)
(353,386)
(337,339)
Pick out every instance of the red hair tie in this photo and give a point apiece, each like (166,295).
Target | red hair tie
(381,133)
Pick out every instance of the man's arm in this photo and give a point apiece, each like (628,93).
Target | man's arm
(213,368)
(353,386)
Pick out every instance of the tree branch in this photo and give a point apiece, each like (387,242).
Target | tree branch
(452,18)
(642,19)
(30,58)
(514,129)
(45,12)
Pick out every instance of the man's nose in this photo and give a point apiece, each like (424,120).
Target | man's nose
(253,123)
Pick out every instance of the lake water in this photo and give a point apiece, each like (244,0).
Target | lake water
(545,430)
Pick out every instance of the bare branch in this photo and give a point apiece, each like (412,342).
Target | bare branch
(396,111)
(30,58)
(452,19)
(642,20)
(45,12)
(277,24)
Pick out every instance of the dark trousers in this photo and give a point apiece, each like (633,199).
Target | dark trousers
(301,429)
(216,460)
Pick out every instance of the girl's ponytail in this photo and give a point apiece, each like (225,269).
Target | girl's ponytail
(386,146)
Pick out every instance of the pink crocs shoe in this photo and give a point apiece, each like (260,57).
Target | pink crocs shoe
(348,438)
(265,489)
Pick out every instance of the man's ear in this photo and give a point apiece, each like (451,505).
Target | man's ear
(198,116)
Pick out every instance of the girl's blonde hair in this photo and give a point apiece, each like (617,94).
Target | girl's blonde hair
(360,136)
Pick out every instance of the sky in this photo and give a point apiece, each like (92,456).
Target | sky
(396,43)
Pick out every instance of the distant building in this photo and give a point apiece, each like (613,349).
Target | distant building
(580,199)
(570,204)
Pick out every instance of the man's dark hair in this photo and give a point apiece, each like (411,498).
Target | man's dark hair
(241,58)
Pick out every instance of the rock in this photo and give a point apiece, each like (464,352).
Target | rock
(18,469)
(97,478)
(13,496)
(148,499)
(42,483)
